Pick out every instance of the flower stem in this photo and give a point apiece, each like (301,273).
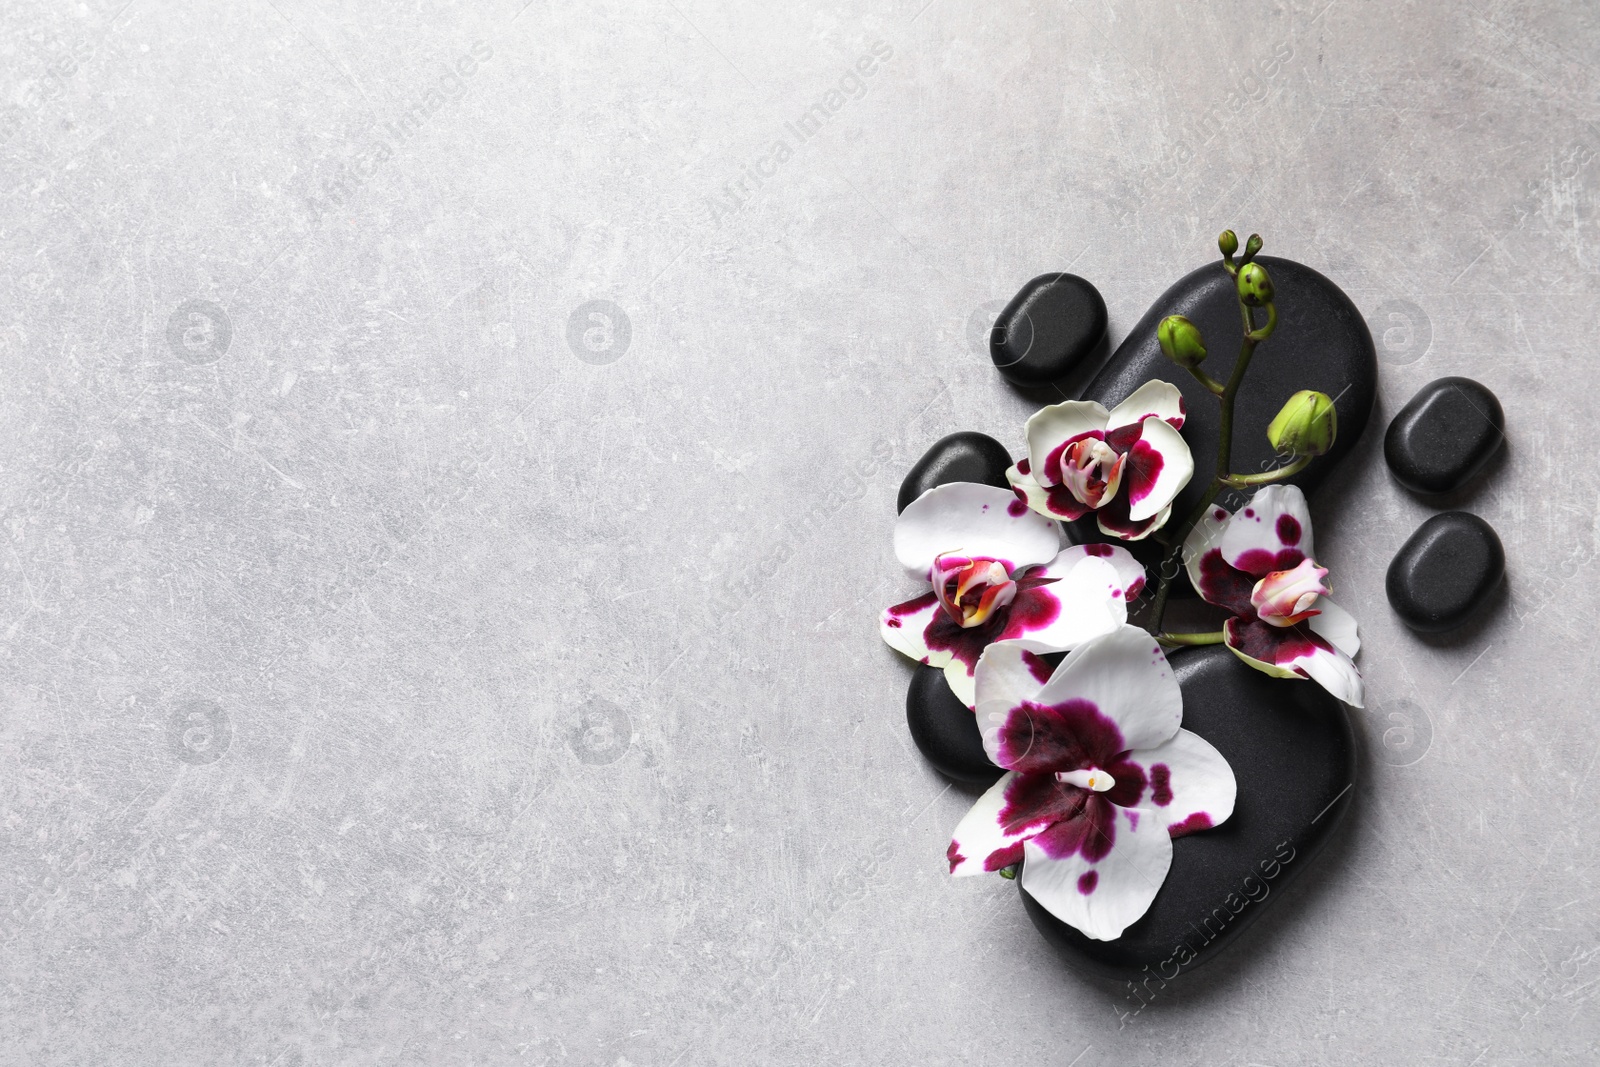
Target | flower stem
(1277,474)
(1247,348)
(1214,637)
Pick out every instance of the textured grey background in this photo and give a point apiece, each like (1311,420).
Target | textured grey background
(403,666)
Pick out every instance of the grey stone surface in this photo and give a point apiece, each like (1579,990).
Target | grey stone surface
(409,660)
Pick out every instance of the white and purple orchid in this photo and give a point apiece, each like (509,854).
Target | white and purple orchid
(1100,777)
(1125,465)
(1258,563)
(998,573)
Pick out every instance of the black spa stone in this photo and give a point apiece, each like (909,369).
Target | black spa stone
(1445,572)
(1321,342)
(1292,749)
(1447,433)
(967,456)
(946,730)
(1047,329)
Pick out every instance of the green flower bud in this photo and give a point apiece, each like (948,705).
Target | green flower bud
(1255,287)
(1181,341)
(1306,426)
(1228,242)
(1252,246)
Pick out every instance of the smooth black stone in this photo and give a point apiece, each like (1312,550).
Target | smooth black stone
(967,456)
(1321,342)
(1445,572)
(1448,432)
(946,730)
(1293,751)
(1047,329)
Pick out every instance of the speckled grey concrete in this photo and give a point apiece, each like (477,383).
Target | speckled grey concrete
(445,514)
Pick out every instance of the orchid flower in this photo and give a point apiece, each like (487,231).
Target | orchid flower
(1258,563)
(1125,465)
(998,573)
(1100,778)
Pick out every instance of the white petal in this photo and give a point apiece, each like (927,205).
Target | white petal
(1206,535)
(1130,572)
(978,836)
(1091,603)
(1051,427)
(1188,780)
(1009,674)
(1126,676)
(904,633)
(1147,496)
(1335,626)
(959,675)
(1122,886)
(1161,399)
(1264,534)
(973,520)
(1336,673)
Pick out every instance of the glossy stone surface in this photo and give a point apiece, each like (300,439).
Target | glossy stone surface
(1445,572)
(1294,755)
(946,730)
(965,456)
(1321,342)
(1047,329)
(1444,435)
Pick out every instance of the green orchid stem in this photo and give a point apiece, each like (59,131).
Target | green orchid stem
(1214,637)
(1207,380)
(1288,470)
(1230,392)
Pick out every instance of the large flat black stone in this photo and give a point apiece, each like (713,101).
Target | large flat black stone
(964,456)
(1321,342)
(1294,754)
(946,730)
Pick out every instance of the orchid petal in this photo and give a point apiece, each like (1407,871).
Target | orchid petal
(1206,535)
(1054,426)
(1130,572)
(979,844)
(1053,501)
(1125,676)
(1114,522)
(1159,466)
(1158,399)
(971,520)
(962,682)
(904,628)
(1295,652)
(1009,674)
(1270,533)
(1087,601)
(1191,785)
(1335,625)
(1102,898)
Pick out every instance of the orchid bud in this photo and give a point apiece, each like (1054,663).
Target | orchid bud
(1255,287)
(1252,246)
(1181,341)
(1306,426)
(1228,242)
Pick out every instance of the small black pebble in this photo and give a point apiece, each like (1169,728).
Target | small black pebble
(1445,572)
(1444,436)
(1050,325)
(967,456)
(946,730)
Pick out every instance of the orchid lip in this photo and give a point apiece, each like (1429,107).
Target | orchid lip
(1091,778)
(972,589)
(1287,597)
(1092,471)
